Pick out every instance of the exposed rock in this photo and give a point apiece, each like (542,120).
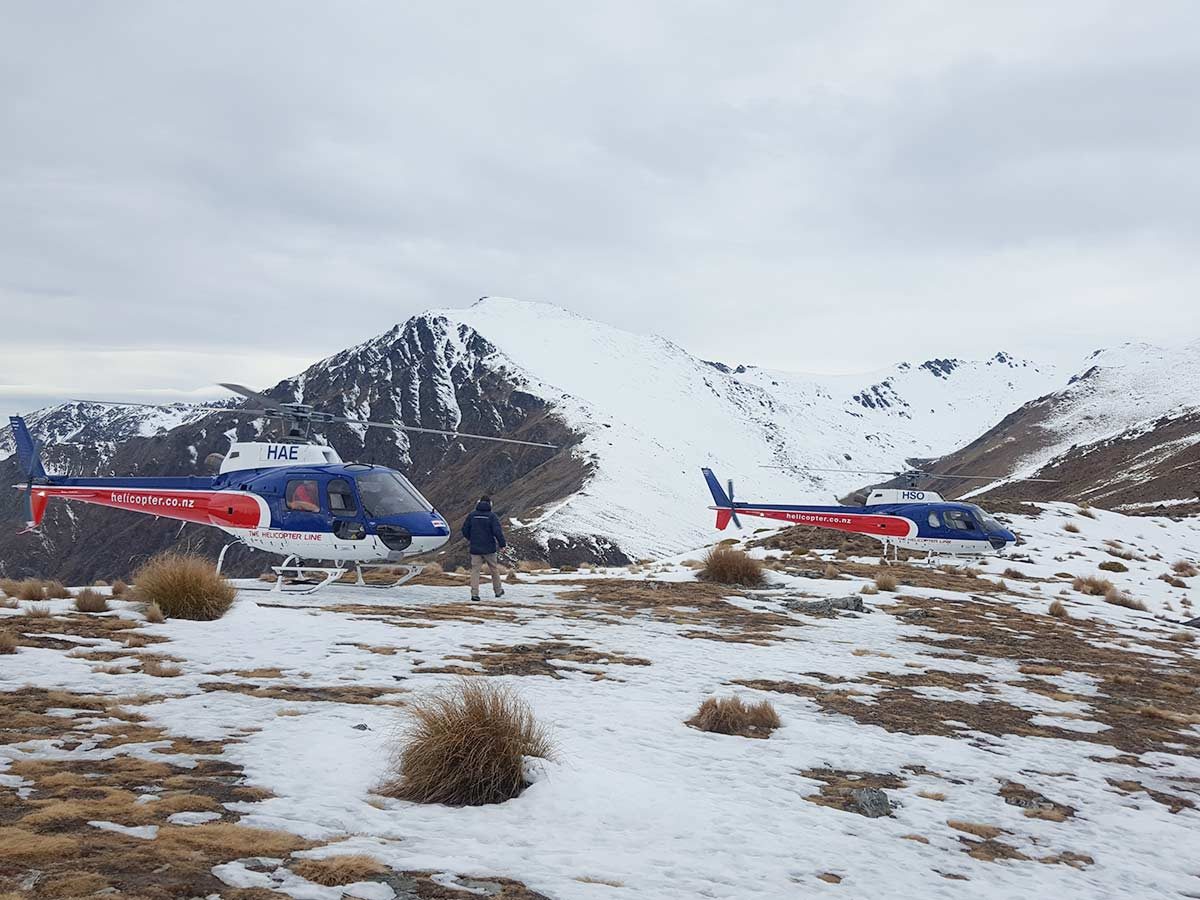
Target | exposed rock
(853,603)
(870,802)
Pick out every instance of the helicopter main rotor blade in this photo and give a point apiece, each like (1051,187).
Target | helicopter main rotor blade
(208,411)
(261,399)
(911,473)
(462,434)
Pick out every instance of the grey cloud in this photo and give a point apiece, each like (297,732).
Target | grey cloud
(792,184)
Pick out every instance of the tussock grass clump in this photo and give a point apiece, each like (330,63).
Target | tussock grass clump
(732,715)
(1059,610)
(868,589)
(1183,637)
(1071,527)
(724,565)
(118,588)
(831,572)
(1185,569)
(1112,565)
(332,871)
(159,668)
(1038,669)
(185,586)
(154,614)
(1093,585)
(89,601)
(38,611)
(55,590)
(465,746)
(1120,598)
(29,589)
(885,581)
(8,643)
(1086,510)
(1168,715)
(9,587)
(1173,581)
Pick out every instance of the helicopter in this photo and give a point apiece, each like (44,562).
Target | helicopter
(294,498)
(900,518)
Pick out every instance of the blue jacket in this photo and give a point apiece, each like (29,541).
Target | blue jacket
(482,529)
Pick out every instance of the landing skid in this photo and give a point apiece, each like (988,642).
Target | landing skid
(293,578)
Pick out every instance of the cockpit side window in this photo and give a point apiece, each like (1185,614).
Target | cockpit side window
(341,498)
(301,495)
(934,521)
(388,494)
(958,520)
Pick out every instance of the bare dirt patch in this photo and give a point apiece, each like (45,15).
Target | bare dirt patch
(700,607)
(534,659)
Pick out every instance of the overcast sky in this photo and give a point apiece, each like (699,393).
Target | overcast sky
(229,191)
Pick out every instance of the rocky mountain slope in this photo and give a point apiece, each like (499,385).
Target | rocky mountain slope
(1123,433)
(636,415)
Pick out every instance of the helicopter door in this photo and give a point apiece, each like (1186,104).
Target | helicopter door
(302,505)
(347,523)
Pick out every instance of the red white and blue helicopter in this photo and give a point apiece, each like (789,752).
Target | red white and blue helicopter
(294,498)
(900,518)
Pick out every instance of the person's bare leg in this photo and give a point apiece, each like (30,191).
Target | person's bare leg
(476,564)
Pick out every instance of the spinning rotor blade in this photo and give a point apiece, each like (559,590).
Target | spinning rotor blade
(462,434)
(910,473)
(261,399)
(732,509)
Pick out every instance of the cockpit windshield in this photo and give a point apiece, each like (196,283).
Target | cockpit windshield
(389,494)
(989,524)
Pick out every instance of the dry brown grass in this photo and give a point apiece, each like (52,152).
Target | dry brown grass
(831,572)
(55,590)
(28,590)
(1183,637)
(1168,715)
(932,795)
(8,642)
(1034,669)
(89,601)
(118,588)
(226,839)
(37,611)
(153,665)
(1059,610)
(185,586)
(1120,598)
(1185,569)
(724,565)
(1085,510)
(987,832)
(885,581)
(1092,584)
(465,746)
(332,871)
(22,846)
(732,715)
(154,614)
(1112,565)
(1071,527)
(9,587)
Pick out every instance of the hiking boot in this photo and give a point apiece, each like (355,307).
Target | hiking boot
(500,593)
(476,599)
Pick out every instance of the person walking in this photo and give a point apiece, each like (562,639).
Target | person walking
(485,535)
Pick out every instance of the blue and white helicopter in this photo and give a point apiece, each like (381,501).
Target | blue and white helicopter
(900,518)
(294,498)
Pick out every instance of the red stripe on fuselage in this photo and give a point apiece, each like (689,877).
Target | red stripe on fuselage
(223,508)
(858,523)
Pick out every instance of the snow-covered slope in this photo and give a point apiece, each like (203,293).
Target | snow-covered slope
(1122,432)
(652,415)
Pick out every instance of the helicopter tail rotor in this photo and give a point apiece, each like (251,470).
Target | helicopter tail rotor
(30,460)
(722,501)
